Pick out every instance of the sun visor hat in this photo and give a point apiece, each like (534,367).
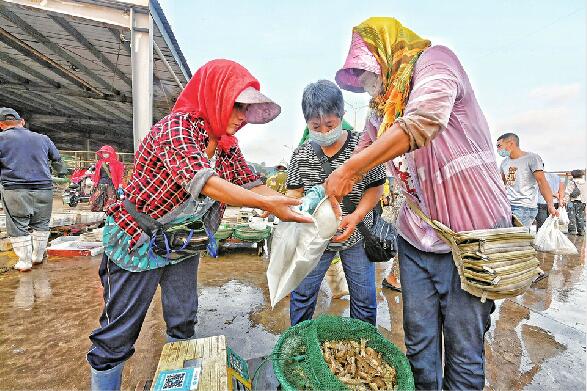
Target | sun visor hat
(261,109)
(358,60)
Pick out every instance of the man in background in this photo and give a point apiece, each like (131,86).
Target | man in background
(27,188)
(523,175)
(277,180)
(576,196)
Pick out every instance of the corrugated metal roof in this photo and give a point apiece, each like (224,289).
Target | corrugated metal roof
(71,77)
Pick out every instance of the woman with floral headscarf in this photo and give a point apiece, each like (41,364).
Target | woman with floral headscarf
(424,109)
(174,180)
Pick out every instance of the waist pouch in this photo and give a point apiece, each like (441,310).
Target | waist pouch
(174,241)
(492,263)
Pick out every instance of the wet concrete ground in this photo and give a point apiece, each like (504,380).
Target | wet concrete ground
(535,342)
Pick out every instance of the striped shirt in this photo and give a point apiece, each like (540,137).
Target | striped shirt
(305,171)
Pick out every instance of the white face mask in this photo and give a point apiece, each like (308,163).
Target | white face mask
(372,83)
(328,138)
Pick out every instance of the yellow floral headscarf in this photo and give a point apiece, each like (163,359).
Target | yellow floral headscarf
(396,49)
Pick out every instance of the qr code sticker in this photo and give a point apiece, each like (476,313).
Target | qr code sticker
(173,381)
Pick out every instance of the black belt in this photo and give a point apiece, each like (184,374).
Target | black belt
(148,224)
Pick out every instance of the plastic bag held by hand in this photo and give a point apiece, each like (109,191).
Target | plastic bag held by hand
(563,217)
(549,238)
(312,198)
(296,249)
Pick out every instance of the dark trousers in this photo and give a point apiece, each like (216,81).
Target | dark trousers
(440,317)
(576,211)
(27,209)
(127,296)
(542,214)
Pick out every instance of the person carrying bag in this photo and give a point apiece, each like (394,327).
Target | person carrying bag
(323,110)
(379,242)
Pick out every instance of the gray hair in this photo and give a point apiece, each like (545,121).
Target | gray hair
(322,98)
(510,136)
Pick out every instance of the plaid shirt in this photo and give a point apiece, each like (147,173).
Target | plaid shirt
(166,162)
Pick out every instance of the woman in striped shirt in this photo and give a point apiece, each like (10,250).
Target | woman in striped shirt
(323,108)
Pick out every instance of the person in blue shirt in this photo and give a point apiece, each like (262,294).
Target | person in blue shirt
(27,187)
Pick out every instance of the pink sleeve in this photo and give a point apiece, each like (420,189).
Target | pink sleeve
(368,136)
(364,142)
(435,89)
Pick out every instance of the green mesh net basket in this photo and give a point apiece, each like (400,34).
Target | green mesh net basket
(224,232)
(299,365)
(247,234)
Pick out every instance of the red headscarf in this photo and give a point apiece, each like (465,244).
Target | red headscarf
(211,94)
(115,167)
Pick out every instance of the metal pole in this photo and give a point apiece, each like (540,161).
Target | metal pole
(141,37)
(162,57)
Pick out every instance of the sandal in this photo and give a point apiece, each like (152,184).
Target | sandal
(540,277)
(387,285)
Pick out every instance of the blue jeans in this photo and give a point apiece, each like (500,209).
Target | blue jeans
(525,215)
(127,296)
(435,306)
(360,277)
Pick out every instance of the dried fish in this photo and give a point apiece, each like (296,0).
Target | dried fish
(358,366)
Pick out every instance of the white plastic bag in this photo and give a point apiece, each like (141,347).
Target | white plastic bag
(563,217)
(296,249)
(549,238)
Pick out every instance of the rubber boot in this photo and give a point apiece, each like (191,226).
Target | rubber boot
(108,380)
(40,239)
(23,248)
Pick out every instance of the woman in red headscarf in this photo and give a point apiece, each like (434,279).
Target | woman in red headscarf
(107,179)
(175,178)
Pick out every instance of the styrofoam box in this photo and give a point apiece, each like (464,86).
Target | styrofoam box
(76,248)
(64,239)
